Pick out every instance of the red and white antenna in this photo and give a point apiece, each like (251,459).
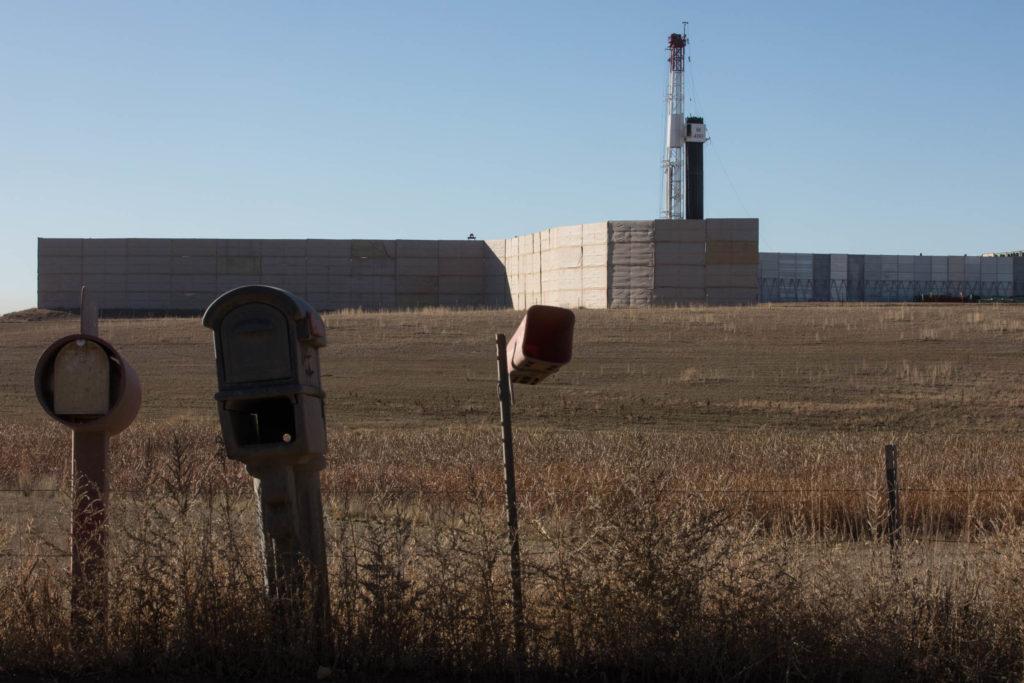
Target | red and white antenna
(675,127)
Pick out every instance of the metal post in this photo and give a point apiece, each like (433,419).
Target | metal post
(512,506)
(89,517)
(88,527)
(88,314)
(892,484)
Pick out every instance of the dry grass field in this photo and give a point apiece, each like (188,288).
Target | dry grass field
(703,497)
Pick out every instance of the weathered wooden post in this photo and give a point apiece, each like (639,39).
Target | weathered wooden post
(85,384)
(895,520)
(271,409)
(540,346)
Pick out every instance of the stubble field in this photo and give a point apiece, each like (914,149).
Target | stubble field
(703,496)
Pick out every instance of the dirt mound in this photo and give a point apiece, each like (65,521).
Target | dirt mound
(35,315)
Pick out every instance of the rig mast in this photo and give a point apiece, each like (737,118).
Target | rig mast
(675,127)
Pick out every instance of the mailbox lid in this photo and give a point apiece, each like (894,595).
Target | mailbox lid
(255,341)
(309,326)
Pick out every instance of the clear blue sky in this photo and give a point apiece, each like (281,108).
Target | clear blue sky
(874,127)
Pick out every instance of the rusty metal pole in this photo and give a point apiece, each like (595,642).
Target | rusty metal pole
(89,527)
(511,503)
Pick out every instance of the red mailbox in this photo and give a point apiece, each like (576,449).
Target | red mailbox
(541,345)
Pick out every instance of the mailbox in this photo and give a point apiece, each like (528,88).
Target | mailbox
(85,384)
(541,345)
(269,398)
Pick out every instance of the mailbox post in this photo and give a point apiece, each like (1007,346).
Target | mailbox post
(82,382)
(540,346)
(271,409)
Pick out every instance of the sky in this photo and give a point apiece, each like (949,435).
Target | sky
(862,127)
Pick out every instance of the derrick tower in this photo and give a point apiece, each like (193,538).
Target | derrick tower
(675,128)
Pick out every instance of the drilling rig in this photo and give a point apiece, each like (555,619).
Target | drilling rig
(684,142)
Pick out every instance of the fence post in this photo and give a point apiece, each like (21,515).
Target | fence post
(893,485)
(512,505)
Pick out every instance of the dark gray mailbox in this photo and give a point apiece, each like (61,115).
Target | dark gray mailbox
(267,345)
(268,370)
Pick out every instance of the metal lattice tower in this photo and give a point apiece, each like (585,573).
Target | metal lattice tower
(675,127)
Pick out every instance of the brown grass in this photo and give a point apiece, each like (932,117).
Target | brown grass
(702,490)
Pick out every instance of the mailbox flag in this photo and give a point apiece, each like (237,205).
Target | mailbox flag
(541,345)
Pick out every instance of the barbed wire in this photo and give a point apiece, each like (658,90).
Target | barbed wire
(384,491)
(880,542)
